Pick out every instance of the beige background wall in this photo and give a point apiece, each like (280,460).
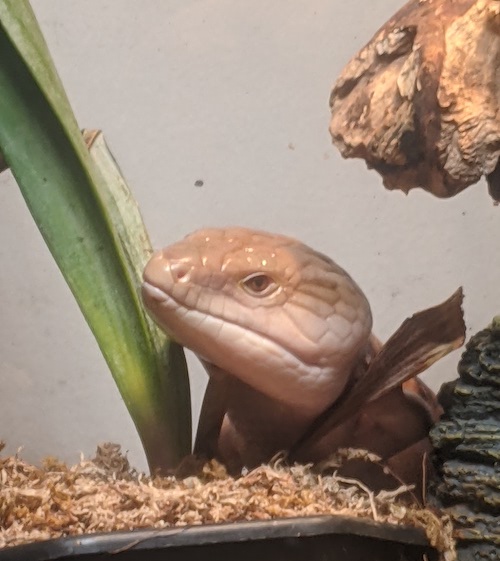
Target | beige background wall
(234,94)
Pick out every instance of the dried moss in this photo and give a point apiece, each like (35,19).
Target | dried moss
(105,494)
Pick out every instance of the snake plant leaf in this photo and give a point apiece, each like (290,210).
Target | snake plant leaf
(93,229)
(134,244)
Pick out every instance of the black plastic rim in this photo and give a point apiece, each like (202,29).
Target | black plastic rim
(136,540)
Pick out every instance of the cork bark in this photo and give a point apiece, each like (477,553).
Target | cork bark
(420,102)
(467,448)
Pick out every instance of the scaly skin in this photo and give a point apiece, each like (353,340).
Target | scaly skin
(282,330)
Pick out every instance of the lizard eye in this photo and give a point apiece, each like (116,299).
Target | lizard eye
(259,284)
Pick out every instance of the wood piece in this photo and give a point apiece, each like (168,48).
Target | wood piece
(420,101)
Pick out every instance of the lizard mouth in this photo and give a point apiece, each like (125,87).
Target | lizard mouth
(305,383)
(151,292)
(156,297)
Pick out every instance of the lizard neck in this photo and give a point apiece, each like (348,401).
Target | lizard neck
(246,439)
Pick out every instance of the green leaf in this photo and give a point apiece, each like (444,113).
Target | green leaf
(93,229)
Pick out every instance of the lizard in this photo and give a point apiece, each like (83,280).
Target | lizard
(283,332)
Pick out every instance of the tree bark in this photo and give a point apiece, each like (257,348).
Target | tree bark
(467,448)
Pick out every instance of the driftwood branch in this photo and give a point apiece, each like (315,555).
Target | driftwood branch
(421,101)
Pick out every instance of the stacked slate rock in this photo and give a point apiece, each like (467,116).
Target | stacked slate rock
(467,449)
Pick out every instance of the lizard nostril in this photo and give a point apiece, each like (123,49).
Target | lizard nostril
(180,271)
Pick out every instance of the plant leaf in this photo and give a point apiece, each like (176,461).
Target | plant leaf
(68,196)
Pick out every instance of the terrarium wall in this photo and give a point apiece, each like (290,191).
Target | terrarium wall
(218,115)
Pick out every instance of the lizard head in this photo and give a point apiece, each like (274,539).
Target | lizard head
(265,308)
